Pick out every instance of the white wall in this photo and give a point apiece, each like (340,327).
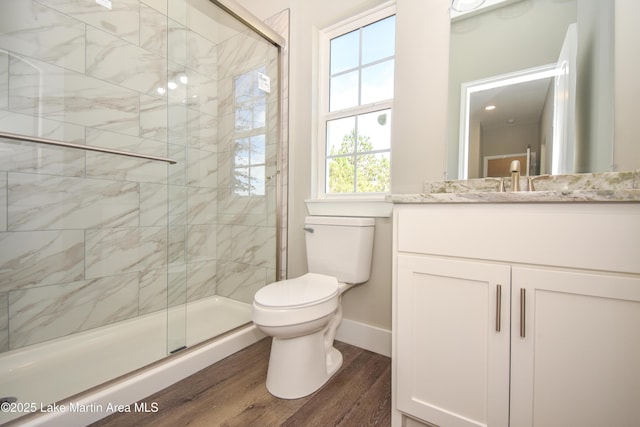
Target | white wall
(420,103)
(626,151)
(420,116)
(369,303)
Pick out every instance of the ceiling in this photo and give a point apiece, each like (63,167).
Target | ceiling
(515,104)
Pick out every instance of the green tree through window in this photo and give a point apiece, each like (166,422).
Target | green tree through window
(371,171)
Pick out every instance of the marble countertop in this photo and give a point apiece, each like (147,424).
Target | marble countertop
(588,187)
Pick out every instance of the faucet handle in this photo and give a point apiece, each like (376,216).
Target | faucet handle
(500,181)
(532,178)
(530,183)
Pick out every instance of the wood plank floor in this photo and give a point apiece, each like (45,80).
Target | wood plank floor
(232,392)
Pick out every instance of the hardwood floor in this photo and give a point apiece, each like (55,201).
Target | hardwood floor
(232,392)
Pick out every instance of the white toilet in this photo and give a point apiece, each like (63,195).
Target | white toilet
(302,314)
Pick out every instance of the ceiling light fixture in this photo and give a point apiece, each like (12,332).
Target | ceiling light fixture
(466,5)
(490,107)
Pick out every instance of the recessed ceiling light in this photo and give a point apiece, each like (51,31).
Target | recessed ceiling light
(490,107)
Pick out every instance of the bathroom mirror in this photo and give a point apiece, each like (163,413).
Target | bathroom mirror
(509,56)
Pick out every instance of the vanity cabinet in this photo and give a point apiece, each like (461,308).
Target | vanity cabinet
(501,321)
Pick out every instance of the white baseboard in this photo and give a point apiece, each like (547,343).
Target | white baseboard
(365,336)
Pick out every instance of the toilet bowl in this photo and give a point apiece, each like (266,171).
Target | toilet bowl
(298,313)
(303,314)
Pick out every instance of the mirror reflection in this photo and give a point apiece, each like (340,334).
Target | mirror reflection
(523,87)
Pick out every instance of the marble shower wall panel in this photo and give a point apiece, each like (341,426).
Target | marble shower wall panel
(3,201)
(153,118)
(145,71)
(240,281)
(38,126)
(36,31)
(27,157)
(202,205)
(115,251)
(122,20)
(108,166)
(92,238)
(39,258)
(153,290)
(41,313)
(200,275)
(201,243)
(154,29)
(62,211)
(246,248)
(44,90)
(4,80)
(40,202)
(153,205)
(253,245)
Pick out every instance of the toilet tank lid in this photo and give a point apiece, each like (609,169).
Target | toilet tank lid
(340,220)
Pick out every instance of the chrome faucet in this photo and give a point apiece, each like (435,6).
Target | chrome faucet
(515,175)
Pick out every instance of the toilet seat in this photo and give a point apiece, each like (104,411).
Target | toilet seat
(303,299)
(309,289)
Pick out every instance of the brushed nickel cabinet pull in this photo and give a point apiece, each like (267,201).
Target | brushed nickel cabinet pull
(523,298)
(498,306)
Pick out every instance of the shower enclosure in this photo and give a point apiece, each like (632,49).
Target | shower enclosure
(141,151)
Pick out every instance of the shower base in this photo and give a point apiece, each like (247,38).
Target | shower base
(54,370)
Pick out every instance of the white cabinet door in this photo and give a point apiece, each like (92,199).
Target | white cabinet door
(576,361)
(453,341)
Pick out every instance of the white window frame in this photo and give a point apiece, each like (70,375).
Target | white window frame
(324,115)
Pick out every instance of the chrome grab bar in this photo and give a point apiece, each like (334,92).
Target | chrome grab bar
(46,141)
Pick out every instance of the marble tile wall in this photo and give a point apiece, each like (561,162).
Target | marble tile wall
(247,226)
(88,239)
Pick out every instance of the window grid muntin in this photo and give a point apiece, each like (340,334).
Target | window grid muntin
(357,23)
(356,152)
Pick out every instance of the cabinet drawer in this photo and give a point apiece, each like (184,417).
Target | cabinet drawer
(580,235)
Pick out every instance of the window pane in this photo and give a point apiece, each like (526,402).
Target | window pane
(259,113)
(378,40)
(377,82)
(374,131)
(257,149)
(344,52)
(243,118)
(343,92)
(241,157)
(243,87)
(340,175)
(241,181)
(374,172)
(340,136)
(257,181)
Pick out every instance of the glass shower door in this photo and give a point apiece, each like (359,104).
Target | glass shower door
(224,127)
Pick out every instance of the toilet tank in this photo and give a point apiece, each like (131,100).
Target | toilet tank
(340,246)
